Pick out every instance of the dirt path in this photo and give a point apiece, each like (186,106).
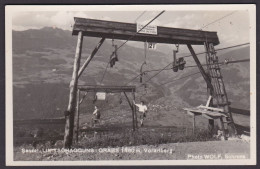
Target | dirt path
(174,151)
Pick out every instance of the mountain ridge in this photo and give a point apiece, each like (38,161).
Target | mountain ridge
(45,58)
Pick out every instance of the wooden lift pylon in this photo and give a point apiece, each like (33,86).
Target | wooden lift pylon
(106,89)
(125,31)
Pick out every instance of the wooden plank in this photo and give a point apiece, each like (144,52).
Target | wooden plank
(207,116)
(107,89)
(216,114)
(195,110)
(69,126)
(211,108)
(209,100)
(124,35)
(203,111)
(132,27)
(111,26)
(190,113)
(90,57)
(123,31)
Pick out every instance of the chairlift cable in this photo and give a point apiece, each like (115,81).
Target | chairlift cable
(222,63)
(141,29)
(131,38)
(140,16)
(160,70)
(218,19)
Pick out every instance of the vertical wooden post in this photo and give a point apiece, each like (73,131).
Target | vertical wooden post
(211,126)
(193,127)
(133,112)
(135,115)
(231,126)
(77,116)
(210,121)
(223,128)
(69,124)
(132,108)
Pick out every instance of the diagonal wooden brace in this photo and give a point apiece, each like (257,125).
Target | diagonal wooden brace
(202,71)
(90,57)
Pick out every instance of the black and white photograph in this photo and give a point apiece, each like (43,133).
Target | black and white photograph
(130,84)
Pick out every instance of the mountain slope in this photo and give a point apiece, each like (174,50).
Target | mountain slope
(43,62)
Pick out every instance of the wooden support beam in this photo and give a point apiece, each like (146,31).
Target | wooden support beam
(132,108)
(211,125)
(193,126)
(209,101)
(123,31)
(223,128)
(202,71)
(69,118)
(90,57)
(83,97)
(135,114)
(231,126)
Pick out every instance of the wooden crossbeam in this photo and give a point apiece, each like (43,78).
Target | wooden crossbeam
(106,89)
(123,31)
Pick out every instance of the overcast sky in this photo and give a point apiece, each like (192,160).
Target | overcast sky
(231,30)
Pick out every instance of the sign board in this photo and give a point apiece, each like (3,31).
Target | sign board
(101,96)
(149,29)
(151,45)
